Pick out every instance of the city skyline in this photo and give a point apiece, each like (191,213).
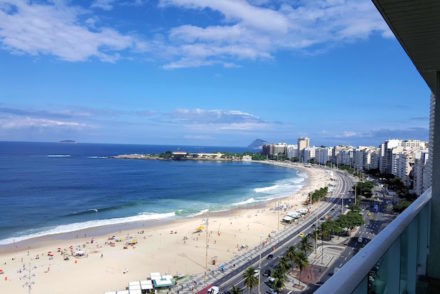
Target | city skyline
(203,73)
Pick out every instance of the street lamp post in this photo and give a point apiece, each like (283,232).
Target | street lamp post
(259,266)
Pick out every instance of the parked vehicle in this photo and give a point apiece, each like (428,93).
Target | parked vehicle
(213,290)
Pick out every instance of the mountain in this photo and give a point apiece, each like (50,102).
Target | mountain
(257,144)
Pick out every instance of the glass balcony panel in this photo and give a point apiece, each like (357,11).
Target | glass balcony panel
(384,277)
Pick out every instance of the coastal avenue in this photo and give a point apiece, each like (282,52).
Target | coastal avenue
(232,275)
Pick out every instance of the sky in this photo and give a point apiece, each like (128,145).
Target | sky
(205,72)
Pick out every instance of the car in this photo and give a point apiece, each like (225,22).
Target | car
(270,256)
(267,273)
(332,209)
(270,280)
(360,240)
(272,291)
(301,235)
(213,290)
(256,273)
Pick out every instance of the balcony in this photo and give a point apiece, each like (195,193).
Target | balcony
(405,256)
(394,260)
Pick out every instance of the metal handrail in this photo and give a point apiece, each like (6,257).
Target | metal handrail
(357,268)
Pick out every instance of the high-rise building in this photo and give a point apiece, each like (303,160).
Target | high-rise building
(275,150)
(308,154)
(420,172)
(292,151)
(386,155)
(323,155)
(303,143)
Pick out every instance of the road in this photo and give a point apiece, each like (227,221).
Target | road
(367,232)
(342,188)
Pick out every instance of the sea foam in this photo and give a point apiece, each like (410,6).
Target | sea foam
(88,224)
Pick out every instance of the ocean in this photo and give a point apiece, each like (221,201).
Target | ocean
(48,188)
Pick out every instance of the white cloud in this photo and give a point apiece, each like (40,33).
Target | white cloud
(239,10)
(258,29)
(103,4)
(29,122)
(55,29)
(211,120)
(247,30)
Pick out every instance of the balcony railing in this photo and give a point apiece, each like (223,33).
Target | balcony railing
(393,260)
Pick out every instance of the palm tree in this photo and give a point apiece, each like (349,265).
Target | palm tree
(284,264)
(279,275)
(305,245)
(291,254)
(250,280)
(235,290)
(301,262)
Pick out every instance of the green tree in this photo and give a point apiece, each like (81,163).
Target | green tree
(235,290)
(401,206)
(305,245)
(250,280)
(301,262)
(284,264)
(280,278)
(291,254)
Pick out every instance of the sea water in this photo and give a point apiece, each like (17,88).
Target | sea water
(48,188)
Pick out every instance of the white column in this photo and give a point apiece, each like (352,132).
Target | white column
(434,156)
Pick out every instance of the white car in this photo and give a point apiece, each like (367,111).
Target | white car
(213,290)
(256,273)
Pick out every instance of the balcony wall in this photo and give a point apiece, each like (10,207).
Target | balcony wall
(394,260)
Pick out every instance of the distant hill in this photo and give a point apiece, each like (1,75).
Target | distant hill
(67,141)
(257,144)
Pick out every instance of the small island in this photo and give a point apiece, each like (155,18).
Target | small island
(182,155)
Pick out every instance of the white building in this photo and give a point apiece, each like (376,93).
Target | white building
(386,154)
(345,156)
(309,154)
(404,166)
(292,151)
(421,182)
(323,155)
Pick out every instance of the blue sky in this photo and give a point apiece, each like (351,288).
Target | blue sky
(205,72)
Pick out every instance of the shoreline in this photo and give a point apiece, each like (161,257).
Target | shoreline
(105,229)
(166,246)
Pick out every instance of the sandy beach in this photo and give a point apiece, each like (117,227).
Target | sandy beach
(171,247)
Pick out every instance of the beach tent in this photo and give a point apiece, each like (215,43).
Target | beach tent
(161,281)
(132,242)
(123,292)
(287,219)
(146,285)
(155,276)
(293,214)
(134,286)
(111,292)
(302,211)
(136,291)
(79,253)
